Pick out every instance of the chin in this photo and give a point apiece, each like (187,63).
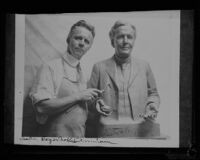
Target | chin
(79,56)
(124,55)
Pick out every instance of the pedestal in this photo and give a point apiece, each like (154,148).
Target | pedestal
(141,129)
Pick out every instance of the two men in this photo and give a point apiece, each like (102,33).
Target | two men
(121,88)
(128,85)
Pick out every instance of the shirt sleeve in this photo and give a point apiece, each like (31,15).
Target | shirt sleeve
(43,87)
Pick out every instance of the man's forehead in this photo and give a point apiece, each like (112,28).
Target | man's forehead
(81,31)
(125,29)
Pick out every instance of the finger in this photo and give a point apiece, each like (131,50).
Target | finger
(101,102)
(144,116)
(149,116)
(94,94)
(97,90)
(89,98)
(153,107)
(99,110)
(105,114)
(154,115)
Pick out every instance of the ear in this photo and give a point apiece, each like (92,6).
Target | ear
(112,43)
(67,40)
(91,42)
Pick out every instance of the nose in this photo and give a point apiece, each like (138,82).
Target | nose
(125,39)
(81,44)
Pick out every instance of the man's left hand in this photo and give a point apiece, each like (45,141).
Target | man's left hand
(151,111)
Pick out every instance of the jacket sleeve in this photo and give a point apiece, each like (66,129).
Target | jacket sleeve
(153,96)
(94,79)
(93,116)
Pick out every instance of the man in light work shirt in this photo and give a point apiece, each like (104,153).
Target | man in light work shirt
(128,85)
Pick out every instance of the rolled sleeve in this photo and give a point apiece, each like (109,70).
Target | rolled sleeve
(43,87)
(40,96)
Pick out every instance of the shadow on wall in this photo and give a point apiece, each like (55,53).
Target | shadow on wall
(29,124)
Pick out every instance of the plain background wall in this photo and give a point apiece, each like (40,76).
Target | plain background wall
(158,38)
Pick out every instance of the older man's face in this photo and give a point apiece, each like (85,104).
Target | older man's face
(80,42)
(124,40)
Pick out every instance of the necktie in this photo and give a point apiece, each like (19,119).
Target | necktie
(79,74)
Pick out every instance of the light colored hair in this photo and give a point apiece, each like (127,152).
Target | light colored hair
(81,23)
(114,28)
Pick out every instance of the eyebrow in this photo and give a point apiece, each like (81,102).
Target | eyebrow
(79,36)
(121,34)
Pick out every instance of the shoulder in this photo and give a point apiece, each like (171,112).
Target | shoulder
(103,62)
(140,62)
(55,63)
(52,66)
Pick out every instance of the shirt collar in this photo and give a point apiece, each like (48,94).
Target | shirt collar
(121,61)
(69,59)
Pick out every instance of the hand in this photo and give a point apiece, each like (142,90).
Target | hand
(151,112)
(88,94)
(102,108)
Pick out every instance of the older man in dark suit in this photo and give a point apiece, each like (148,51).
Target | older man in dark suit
(128,88)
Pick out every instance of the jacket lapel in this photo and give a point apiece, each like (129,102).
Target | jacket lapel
(134,71)
(111,71)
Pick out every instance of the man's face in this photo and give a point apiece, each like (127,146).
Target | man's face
(124,40)
(80,42)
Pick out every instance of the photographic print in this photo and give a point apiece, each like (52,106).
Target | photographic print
(97,79)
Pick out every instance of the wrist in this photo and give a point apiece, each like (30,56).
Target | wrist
(77,97)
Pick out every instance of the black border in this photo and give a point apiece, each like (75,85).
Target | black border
(189,70)
(9,78)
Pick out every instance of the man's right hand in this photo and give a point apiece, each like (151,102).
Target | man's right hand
(88,94)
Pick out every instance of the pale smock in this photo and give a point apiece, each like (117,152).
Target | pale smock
(60,78)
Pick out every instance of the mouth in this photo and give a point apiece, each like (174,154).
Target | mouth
(78,49)
(125,48)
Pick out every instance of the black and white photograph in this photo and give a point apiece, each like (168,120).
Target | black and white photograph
(97,79)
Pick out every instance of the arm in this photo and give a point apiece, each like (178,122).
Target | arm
(44,99)
(153,100)
(98,104)
(94,79)
(55,105)
(93,83)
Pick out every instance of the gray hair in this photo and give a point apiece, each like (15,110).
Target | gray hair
(118,24)
(81,23)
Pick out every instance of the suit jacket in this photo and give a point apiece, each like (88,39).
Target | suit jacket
(141,89)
